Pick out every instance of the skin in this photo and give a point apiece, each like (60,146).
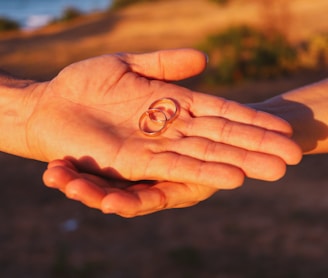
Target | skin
(306,110)
(85,121)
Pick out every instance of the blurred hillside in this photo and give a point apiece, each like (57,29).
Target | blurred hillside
(157,25)
(271,230)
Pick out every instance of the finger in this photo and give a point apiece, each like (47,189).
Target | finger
(174,64)
(135,200)
(133,203)
(85,191)
(145,200)
(184,169)
(58,176)
(61,163)
(61,172)
(206,105)
(254,164)
(244,136)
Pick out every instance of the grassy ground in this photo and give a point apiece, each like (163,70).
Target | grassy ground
(261,230)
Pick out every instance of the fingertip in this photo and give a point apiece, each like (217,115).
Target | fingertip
(238,180)
(53,177)
(85,192)
(58,176)
(234,180)
(106,206)
(49,179)
(169,64)
(281,146)
(122,203)
(183,63)
(198,60)
(276,172)
(278,175)
(297,156)
(292,153)
(113,202)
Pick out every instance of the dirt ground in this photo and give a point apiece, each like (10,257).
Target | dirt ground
(260,230)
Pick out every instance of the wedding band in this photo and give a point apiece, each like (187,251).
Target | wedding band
(149,121)
(170,103)
(159,115)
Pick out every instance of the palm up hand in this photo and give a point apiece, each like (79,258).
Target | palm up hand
(88,115)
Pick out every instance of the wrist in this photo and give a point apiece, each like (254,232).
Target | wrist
(17,101)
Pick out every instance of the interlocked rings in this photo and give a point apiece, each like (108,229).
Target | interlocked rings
(159,115)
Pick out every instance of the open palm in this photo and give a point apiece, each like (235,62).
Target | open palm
(89,114)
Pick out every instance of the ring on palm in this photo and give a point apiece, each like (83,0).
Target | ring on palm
(168,105)
(153,122)
(160,113)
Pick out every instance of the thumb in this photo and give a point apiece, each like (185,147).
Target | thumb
(171,65)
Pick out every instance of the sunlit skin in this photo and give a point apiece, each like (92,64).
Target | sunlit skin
(85,120)
(306,110)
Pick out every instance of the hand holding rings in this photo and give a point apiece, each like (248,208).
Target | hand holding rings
(159,115)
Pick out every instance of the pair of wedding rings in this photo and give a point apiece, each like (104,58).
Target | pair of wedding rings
(159,115)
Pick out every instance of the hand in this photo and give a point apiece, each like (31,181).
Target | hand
(305,109)
(89,115)
(122,197)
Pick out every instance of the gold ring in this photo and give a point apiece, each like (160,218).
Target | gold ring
(171,109)
(153,122)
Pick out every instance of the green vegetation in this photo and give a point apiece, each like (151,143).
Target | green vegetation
(7,24)
(68,14)
(241,53)
(118,4)
(313,54)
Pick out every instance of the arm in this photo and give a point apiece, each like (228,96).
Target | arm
(306,109)
(18,99)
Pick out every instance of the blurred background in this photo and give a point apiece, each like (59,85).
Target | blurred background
(257,49)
